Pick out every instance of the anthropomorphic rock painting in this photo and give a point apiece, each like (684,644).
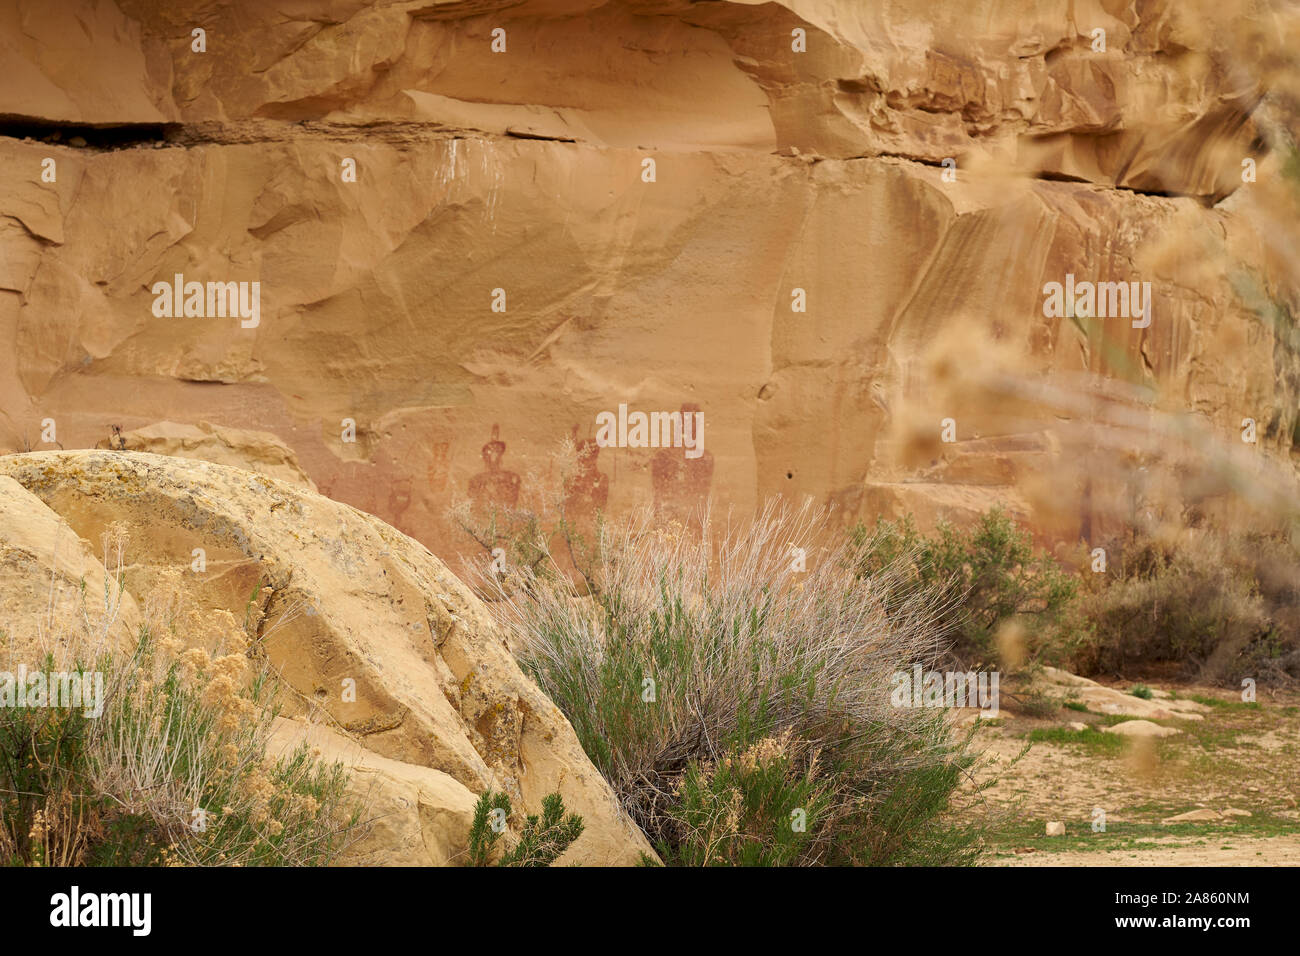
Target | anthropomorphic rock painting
(680,482)
(586,490)
(494,488)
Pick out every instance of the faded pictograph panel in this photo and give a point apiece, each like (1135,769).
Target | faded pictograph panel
(494,488)
(681,477)
(586,490)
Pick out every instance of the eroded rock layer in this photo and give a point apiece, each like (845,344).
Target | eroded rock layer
(825,224)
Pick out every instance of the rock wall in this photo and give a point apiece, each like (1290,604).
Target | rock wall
(505,266)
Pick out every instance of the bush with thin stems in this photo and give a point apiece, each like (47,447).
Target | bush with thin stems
(171,765)
(735,691)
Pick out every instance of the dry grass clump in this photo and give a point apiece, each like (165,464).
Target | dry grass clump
(1222,606)
(736,692)
(169,765)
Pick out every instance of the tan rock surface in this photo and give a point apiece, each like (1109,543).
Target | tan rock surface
(1107,700)
(342,597)
(1140,728)
(776,170)
(1205,815)
(54,596)
(260,452)
(417,815)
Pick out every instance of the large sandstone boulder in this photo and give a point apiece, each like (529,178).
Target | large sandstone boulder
(378,642)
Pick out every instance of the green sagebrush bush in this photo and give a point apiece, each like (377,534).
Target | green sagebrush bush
(740,707)
(541,841)
(985,578)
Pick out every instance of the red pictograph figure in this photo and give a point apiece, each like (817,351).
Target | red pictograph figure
(494,488)
(680,483)
(586,490)
(399,498)
(439,471)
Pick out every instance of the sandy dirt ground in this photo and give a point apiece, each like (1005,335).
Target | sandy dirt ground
(1270,851)
(1239,767)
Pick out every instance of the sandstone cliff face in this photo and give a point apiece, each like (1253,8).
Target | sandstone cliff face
(797,145)
(389,663)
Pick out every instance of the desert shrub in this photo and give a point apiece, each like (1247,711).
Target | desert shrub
(741,707)
(541,841)
(987,579)
(1221,606)
(483,834)
(170,765)
(544,838)
(174,770)
(1273,562)
(747,809)
(1034,701)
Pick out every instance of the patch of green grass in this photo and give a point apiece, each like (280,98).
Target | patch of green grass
(1225,705)
(1202,765)
(1141,690)
(1133,835)
(1078,705)
(1091,739)
(1210,735)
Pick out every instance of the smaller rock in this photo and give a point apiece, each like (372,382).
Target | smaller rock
(1194,816)
(1077,725)
(1055,828)
(1141,728)
(77,141)
(1234,812)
